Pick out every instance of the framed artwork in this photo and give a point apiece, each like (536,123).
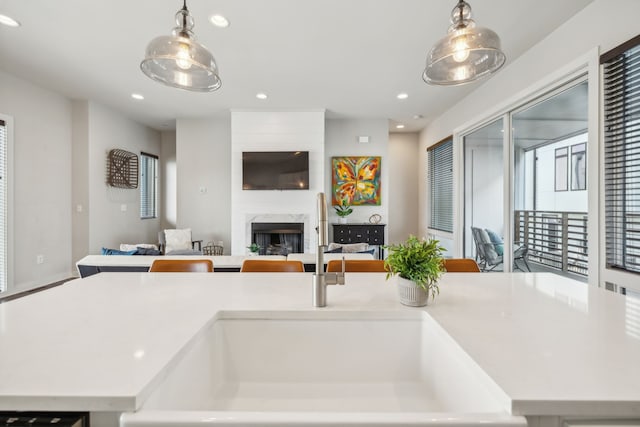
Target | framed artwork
(355,180)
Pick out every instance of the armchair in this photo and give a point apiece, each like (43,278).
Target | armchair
(178,242)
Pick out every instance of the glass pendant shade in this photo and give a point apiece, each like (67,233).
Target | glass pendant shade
(465,54)
(179,60)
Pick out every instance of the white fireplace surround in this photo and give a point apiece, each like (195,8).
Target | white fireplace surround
(276,131)
(284,218)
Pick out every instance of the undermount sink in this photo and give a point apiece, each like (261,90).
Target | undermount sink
(290,367)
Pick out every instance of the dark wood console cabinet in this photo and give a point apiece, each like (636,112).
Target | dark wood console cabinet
(373,234)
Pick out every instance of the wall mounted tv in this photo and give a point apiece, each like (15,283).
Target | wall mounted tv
(275,170)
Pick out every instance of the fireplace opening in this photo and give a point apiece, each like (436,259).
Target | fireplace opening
(278,238)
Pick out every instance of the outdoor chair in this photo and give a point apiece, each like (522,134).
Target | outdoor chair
(489,250)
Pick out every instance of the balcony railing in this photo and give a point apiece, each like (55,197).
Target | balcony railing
(557,240)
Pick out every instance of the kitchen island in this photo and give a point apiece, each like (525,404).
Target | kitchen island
(558,349)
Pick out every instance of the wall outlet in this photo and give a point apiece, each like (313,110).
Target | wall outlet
(123,208)
(40,259)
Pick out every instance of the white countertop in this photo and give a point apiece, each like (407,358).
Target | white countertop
(555,346)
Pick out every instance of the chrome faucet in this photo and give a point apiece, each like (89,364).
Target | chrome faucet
(320,278)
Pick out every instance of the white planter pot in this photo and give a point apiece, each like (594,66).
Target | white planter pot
(411,294)
(342,220)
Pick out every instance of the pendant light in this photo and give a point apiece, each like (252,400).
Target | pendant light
(179,60)
(465,54)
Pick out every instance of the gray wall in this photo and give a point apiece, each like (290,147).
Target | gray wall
(404,166)
(114,213)
(341,139)
(168,180)
(203,153)
(80,181)
(41,182)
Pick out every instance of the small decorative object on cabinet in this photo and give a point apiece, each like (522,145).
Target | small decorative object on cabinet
(373,234)
(418,263)
(375,219)
(122,169)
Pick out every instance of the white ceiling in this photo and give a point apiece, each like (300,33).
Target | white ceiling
(350,57)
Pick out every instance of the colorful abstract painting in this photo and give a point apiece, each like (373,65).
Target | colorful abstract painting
(356,180)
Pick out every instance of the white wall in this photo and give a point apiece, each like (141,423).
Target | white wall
(547,198)
(276,131)
(114,213)
(404,166)
(168,180)
(42,182)
(80,181)
(203,155)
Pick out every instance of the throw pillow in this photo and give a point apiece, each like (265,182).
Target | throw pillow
(107,251)
(488,246)
(129,247)
(497,241)
(147,251)
(177,240)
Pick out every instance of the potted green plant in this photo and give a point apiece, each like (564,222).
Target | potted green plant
(418,263)
(343,210)
(254,248)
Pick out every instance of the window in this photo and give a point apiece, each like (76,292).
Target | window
(440,158)
(561,168)
(148,186)
(621,71)
(579,167)
(3,206)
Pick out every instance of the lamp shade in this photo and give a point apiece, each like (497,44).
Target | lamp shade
(465,54)
(180,61)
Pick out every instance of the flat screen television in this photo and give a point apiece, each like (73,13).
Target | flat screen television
(275,170)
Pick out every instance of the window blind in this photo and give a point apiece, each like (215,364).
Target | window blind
(440,165)
(3,206)
(148,186)
(621,72)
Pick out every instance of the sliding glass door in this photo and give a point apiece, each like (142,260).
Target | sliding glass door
(550,200)
(532,159)
(483,195)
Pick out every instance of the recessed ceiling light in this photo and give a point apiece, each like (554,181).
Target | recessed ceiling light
(399,126)
(219,21)
(261,95)
(402,96)
(8,21)
(137,96)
